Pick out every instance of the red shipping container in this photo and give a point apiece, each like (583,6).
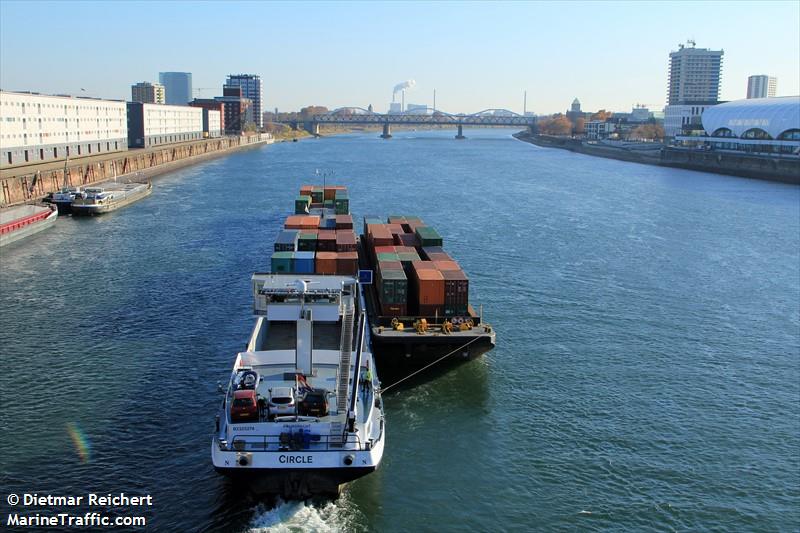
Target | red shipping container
(293,222)
(395,229)
(325,262)
(446,265)
(384,250)
(439,256)
(380,235)
(347,263)
(305,190)
(310,222)
(420,265)
(429,285)
(345,241)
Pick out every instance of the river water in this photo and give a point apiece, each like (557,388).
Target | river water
(646,375)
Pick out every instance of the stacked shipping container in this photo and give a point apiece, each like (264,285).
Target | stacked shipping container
(315,241)
(413,274)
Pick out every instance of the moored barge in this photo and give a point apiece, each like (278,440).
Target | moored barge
(25,220)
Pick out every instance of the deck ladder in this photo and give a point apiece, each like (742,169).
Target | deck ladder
(345,351)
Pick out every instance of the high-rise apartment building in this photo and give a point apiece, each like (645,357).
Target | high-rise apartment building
(147,93)
(694,75)
(761,86)
(694,82)
(178,87)
(252,90)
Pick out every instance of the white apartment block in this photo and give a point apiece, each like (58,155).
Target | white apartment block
(156,124)
(35,128)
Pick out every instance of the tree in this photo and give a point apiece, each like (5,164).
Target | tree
(580,125)
(602,115)
(650,132)
(558,125)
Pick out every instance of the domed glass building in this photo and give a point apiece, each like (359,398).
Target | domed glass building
(761,125)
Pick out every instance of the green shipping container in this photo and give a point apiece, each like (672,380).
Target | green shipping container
(387,256)
(393,287)
(307,242)
(341,206)
(428,236)
(283,262)
(317,195)
(329,204)
(301,205)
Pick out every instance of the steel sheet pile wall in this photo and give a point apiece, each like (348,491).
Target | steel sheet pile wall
(319,237)
(413,274)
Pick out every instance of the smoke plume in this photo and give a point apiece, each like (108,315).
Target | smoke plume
(408,84)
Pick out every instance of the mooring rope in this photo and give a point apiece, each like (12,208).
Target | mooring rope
(429,365)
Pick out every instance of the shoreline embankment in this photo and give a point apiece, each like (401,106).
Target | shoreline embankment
(784,169)
(34,182)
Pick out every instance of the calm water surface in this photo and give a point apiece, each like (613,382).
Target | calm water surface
(647,373)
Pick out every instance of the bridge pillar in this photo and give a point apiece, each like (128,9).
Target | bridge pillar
(312,128)
(460,132)
(387,131)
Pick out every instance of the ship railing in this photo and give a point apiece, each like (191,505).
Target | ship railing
(273,443)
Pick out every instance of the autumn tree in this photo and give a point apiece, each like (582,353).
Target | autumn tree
(648,132)
(602,115)
(580,123)
(558,125)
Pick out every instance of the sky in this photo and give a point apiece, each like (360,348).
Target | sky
(475,55)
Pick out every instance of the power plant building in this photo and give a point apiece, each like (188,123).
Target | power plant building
(37,128)
(154,124)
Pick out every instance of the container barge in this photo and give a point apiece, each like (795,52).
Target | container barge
(25,220)
(108,196)
(416,295)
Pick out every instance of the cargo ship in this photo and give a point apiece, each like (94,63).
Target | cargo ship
(25,220)
(416,295)
(108,196)
(303,413)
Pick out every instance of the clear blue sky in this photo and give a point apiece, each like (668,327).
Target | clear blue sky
(476,55)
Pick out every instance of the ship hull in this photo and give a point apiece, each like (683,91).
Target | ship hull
(81,209)
(292,483)
(28,230)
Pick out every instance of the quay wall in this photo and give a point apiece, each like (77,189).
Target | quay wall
(24,184)
(786,170)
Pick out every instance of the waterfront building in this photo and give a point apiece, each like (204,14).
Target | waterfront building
(694,82)
(761,86)
(238,111)
(251,89)
(177,86)
(574,112)
(148,93)
(211,104)
(154,124)
(598,129)
(35,128)
(418,109)
(769,126)
(212,118)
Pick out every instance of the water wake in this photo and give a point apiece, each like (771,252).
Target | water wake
(306,516)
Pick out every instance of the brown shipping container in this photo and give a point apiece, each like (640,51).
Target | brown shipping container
(456,288)
(439,256)
(347,263)
(380,235)
(384,250)
(406,239)
(305,190)
(394,309)
(446,265)
(395,229)
(326,240)
(389,265)
(345,241)
(325,262)
(330,191)
(344,221)
(420,265)
(431,310)
(429,286)
(310,222)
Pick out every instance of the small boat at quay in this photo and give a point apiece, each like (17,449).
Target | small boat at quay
(109,196)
